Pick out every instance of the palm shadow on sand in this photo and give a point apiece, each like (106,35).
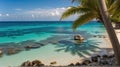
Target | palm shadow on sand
(81,50)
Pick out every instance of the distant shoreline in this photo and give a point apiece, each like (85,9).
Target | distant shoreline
(43,21)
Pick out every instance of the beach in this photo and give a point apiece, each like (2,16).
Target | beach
(38,33)
(118,34)
(54,41)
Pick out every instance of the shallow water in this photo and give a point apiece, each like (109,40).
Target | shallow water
(60,31)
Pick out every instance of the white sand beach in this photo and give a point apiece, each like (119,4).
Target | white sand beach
(108,40)
(118,34)
(108,43)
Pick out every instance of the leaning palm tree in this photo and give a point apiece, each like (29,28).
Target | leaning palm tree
(110,30)
(89,10)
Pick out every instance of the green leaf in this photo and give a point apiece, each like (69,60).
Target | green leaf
(74,10)
(85,18)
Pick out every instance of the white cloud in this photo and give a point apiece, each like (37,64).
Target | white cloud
(4,15)
(36,14)
(53,14)
(47,12)
(7,15)
(68,7)
(0,15)
(33,16)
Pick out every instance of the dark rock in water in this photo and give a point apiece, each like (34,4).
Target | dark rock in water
(40,44)
(35,46)
(54,62)
(78,39)
(29,44)
(13,48)
(35,63)
(95,36)
(1,52)
(26,64)
(10,51)
(32,46)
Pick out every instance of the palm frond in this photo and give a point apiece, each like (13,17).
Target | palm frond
(90,4)
(85,18)
(74,10)
(80,1)
(110,2)
(115,8)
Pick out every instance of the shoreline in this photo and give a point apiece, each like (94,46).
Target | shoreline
(107,47)
(80,59)
(118,34)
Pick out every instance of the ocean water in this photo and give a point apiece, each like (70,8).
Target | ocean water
(58,38)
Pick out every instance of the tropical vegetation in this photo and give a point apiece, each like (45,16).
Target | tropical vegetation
(89,10)
(97,9)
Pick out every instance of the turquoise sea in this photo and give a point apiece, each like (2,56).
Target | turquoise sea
(57,38)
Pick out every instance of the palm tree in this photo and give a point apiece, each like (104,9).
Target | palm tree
(88,10)
(110,30)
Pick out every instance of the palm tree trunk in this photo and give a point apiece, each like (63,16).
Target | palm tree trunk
(110,30)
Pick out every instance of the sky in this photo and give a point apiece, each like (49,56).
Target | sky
(33,10)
